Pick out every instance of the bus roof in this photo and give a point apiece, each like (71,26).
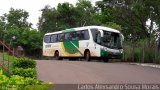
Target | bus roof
(85,27)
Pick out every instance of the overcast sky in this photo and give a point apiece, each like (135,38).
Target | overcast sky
(32,6)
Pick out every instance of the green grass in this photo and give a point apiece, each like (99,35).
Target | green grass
(11,58)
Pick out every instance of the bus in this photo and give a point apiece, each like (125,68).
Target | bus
(84,42)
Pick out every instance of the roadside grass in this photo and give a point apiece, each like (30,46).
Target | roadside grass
(6,57)
(23,77)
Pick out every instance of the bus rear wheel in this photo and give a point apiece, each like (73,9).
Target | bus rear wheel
(57,56)
(87,56)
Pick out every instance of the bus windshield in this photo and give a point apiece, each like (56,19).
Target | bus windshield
(111,40)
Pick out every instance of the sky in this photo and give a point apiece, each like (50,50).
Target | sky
(32,6)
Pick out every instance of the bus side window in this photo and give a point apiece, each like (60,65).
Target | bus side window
(85,35)
(67,36)
(47,38)
(61,37)
(54,38)
(78,35)
(82,35)
(98,38)
(58,37)
(94,34)
(74,36)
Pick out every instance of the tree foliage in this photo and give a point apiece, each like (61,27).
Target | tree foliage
(67,16)
(17,17)
(132,15)
(2,27)
(15,24)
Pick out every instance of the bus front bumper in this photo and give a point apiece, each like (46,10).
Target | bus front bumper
(111,55)
(115,56)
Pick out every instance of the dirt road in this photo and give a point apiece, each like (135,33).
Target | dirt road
(79,72)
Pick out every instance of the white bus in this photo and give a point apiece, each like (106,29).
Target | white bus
(84,42)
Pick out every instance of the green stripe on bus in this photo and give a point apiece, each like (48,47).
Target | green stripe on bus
(71,47)
(103,53)
(68,30)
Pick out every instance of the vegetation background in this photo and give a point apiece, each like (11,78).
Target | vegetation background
(138,20)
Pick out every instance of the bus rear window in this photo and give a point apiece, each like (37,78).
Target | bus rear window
(47,38)
(54,38)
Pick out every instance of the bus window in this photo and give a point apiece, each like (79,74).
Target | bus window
(61,37)
(98,38)
(67,36)
(85,35)
(95,33)
(78,35)
(112,40)
(47,38)
(74,36)
(54,38)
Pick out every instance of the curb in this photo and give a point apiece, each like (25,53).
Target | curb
(146,65)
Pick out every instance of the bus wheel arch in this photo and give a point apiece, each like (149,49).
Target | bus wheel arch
(87,55)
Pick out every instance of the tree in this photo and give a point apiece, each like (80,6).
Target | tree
(57,19)
(2,28)
(31,40)
(15,24)
(17,17)
(104,12)
(132,15)
(87,13)
(67,16)
(48,20)
(112,25)
(154,8)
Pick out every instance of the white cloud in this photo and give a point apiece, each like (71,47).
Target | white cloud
(32,6)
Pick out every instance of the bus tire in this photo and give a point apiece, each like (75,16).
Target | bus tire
(56,55)
(87,56)
(105,60)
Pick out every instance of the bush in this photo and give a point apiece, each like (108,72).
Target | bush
(28,72)
(24,67)
(141,51)
(24,63)
(16,82)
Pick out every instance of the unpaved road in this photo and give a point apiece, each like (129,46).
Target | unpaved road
(80,72)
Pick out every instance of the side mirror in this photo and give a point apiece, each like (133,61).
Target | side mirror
(101,33)
(122,37)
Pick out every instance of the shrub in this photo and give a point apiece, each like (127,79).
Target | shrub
(16,82)
(28,72)
(24,67)
(24,63)
(141,51)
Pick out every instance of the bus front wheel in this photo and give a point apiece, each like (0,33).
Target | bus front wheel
(105,59)
(87,56)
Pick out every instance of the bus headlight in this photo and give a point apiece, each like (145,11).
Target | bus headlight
(121,51)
